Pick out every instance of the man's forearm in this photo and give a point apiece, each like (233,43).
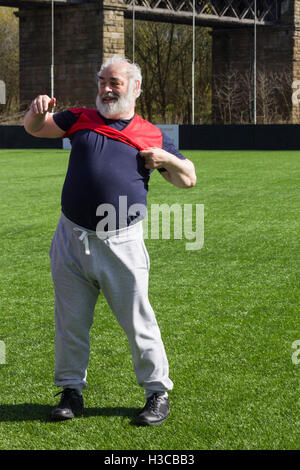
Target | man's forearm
(181,173)
(34,122)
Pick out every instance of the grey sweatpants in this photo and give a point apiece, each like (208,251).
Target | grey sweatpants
(82,265)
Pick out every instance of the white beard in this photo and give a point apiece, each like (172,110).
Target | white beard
(113,109)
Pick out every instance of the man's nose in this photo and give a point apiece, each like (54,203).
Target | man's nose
(107,88)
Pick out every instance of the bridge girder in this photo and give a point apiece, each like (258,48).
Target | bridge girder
(208,12)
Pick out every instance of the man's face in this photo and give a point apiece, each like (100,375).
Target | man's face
(115,98)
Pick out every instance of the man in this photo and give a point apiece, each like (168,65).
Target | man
(113,154)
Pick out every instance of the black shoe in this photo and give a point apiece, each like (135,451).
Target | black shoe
(155,411)
(70,405)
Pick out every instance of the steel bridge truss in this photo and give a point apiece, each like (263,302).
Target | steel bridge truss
(206,12)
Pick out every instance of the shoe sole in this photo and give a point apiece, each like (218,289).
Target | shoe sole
(61,418)
(66,418)
(147,423)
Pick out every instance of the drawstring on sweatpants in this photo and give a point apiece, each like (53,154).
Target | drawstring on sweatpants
(84,238)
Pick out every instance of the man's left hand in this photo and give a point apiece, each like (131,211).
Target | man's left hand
(154,158)
(179,172)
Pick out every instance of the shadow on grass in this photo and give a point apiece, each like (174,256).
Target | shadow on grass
(35,412)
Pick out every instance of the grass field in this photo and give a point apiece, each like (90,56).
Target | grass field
(228,313)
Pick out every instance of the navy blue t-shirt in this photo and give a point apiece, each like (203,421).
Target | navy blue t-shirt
(101,170)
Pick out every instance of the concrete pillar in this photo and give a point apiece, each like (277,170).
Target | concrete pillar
(85,34)
(278,65)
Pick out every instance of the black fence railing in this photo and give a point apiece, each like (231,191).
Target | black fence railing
(14,137)
(203,137)
(240,137)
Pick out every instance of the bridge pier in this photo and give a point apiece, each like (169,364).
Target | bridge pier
(278,66)
(80,48)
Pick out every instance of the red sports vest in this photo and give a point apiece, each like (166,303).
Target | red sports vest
(139,133)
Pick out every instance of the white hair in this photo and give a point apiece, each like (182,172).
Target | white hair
(133,71)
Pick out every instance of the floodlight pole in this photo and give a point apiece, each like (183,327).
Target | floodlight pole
(254,67)
(52,49)
(193,66)
(133,30)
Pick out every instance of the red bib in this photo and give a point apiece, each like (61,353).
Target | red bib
(139,133)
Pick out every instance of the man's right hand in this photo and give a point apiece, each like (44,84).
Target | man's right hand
(39,119)
(42,104)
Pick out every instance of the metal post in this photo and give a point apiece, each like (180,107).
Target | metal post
(254,67)
(133,30)
(52,49)
(193,67)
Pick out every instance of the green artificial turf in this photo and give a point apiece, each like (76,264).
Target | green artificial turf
(228,313)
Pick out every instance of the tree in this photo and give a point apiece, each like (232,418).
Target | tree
(164,52)
(233,97)
(9,57)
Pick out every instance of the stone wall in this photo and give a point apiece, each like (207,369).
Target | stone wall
(296,58)
(84,36)
(278,65)
(113,28)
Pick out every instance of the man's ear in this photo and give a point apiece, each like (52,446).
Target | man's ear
(137,87)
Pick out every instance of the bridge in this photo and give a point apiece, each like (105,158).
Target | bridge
(207,13)
(81,45)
